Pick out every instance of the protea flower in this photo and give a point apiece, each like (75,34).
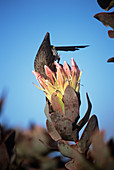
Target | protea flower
(62,90)
(57,82)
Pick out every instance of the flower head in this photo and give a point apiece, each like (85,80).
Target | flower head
(62,88)
(57,82)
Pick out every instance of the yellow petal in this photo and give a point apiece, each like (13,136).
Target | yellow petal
(38,87)
(75,67)
(60,80)
(78,83)
(74,79)
(51,88)
(62,105)
(66,84)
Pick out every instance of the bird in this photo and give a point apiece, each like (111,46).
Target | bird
(47,54)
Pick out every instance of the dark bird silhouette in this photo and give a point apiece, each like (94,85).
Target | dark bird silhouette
(47,54)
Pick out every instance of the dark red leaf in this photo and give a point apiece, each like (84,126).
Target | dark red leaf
(85,140)
(63,125)
(84,120)
(10,141)
(78,159)
(106,18)
(106,4)
(4,158)
(52,131)
(111,33)
(71,104)
(110,59)
(100,150)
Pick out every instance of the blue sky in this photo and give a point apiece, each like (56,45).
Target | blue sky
(23,25)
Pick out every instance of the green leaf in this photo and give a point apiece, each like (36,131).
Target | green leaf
(57,103)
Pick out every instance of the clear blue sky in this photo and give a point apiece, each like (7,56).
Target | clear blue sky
(23,25)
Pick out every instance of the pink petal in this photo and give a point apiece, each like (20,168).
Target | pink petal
(42,83)
(60,79)
(67,69)
(57,65)
(75,67)
(40,80)
(49,73)
(37,75)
